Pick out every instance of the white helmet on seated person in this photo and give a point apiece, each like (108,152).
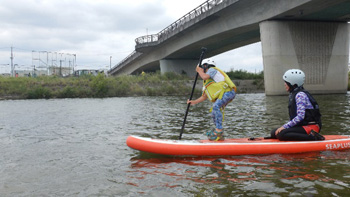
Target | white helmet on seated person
(294,77)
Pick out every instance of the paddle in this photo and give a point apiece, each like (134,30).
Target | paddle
(194,85)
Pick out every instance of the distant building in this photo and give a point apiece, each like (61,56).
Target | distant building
(60,71)
(81,72)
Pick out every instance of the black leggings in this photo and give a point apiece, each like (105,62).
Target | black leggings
(292,134)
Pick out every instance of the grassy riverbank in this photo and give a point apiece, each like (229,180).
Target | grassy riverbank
(155,84)
(101,86)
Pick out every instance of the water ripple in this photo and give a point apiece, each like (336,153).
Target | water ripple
(76,147)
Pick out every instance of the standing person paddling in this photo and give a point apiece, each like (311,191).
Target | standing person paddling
(304,114)
(219,89)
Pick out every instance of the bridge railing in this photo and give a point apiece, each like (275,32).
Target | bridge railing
(180,24)
(129,58)
(172,29)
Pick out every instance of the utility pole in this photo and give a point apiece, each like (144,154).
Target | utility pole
(12,69)
(75,62)
(110,62)
(60,68)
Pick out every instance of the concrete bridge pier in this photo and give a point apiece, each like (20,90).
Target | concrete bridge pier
(181,66)
(320,49)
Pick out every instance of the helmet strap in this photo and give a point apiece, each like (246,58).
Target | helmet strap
(291,88)
(204,66)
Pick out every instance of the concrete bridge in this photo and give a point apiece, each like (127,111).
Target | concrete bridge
(312,35)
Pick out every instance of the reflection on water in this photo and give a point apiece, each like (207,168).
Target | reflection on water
(293,174)
(76,147)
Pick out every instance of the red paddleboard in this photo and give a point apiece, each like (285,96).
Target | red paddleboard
(239,146)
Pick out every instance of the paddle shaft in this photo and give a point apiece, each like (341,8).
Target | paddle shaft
(193,87)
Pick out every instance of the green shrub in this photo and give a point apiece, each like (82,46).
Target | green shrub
(68,92)
(137,90)
(151,92)
(168,89)
(99,86)
(242,74)
(174,76)
(39,93)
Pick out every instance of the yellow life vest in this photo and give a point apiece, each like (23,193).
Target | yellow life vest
(216,90)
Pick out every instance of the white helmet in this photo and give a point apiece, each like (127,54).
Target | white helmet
(294,77)
(208,61)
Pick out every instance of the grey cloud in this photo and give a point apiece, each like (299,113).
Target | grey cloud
(87,27)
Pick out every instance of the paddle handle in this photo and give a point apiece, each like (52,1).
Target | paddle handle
(193,87)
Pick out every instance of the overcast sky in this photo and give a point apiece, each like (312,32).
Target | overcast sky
(94,30)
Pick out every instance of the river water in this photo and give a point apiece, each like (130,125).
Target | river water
(76,147)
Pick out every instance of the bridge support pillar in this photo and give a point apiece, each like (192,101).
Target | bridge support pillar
(320,49)
(179,66)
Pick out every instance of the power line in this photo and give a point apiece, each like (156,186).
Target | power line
(40,59)
(5,48)
(22,49)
